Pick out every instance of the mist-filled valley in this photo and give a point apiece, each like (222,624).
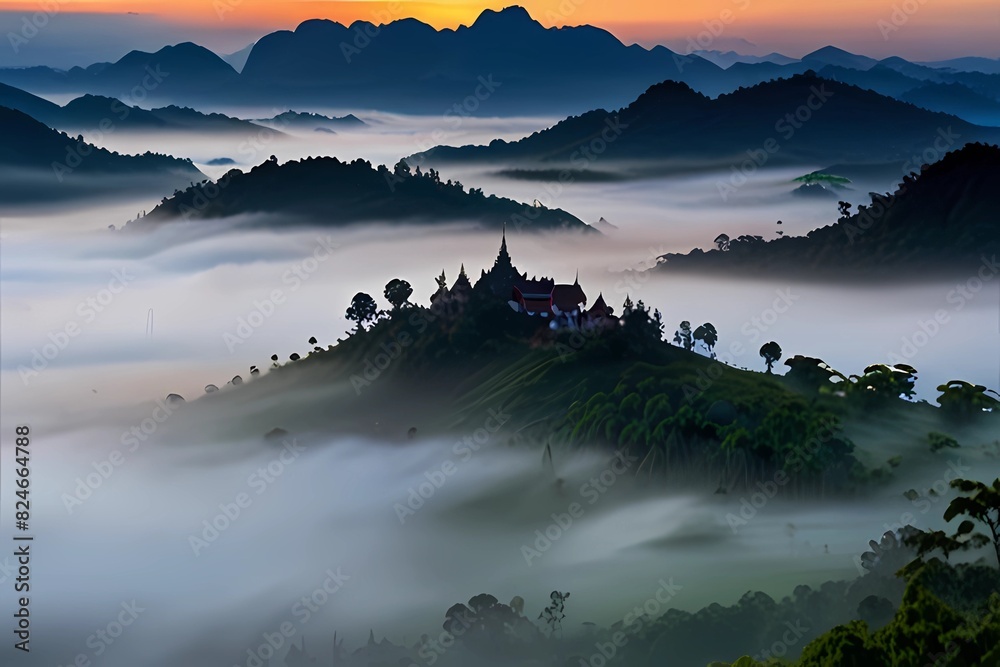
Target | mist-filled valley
(393,460)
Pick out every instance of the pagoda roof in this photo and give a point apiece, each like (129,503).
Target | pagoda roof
(568,297)
(600,306)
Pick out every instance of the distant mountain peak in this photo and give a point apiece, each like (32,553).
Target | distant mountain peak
(832,55)
(514,16)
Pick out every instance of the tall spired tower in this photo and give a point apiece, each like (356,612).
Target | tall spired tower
(500,278)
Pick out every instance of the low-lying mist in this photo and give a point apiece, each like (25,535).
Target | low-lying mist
(99,325)
(217,539)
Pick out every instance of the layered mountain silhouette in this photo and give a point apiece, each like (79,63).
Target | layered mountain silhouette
(955,99)
(804,119)
(947,218)
(106,114)
(312,121)
(172,73)
(326,191)
(498,64)
(38,163)
(505,63)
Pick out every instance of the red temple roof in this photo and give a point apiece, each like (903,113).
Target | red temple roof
(568,297)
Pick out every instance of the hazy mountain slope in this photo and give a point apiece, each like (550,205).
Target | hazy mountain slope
(672,121)
(956,99)
(105,114)
(39,164)
(326,191)
(947,218)
(32,105)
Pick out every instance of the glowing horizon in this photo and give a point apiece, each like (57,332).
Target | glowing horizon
(966,27)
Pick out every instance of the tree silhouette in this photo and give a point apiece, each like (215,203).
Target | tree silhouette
(980,502)
(362,309)
(401,169)
(684,335)
(961,399)
(977,501)
(397,292)
(845,208)
(707,334)
(553,614)
(771,352)
(722,242)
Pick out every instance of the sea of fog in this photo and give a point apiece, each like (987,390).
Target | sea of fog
(98,325)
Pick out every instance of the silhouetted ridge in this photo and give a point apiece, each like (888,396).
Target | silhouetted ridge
(805,119)
(326,191)
(945,218)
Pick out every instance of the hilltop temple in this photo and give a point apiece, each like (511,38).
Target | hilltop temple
(562,305)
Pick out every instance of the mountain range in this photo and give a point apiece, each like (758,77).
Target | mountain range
(805,119)
(96,113)
(505,63)
(39,164)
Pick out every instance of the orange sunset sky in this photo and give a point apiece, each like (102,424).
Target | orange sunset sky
(920,29)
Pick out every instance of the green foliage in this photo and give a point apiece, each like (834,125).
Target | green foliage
(981,503)
(939,441)
(820,177)
(845,646)
(811,374)
(963,399)
(881,383)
